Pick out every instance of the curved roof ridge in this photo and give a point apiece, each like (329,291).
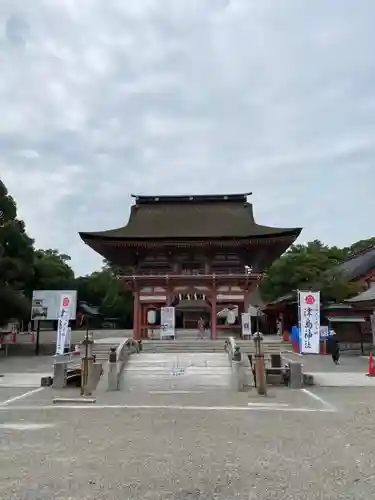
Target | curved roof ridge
(358,265)
(188,198)
(360,252)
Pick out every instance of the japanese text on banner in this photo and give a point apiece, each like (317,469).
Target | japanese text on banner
(63,323)
(309,308)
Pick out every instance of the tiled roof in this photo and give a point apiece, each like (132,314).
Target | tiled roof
(255,298)
(174,217)
(358,265)
(366,296)
(289,298)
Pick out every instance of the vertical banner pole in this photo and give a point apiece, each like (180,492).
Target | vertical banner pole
(309,314)
(299,322)
(37,341)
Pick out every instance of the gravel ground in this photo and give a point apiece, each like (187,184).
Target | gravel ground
(190,454)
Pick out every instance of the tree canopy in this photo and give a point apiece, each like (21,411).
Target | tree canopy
(24,269)
(16,260)
(103,289)
(52,271)
(311,266)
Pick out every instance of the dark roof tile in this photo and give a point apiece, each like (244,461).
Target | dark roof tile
(358,265)
(191,217)
(366,296)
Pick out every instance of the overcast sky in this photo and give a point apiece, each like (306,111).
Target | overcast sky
(101,99)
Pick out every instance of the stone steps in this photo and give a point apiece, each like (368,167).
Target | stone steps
(101,351)
(188,345)
(180,348)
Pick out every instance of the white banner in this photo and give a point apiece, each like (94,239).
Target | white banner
(63,321)
(309,319)
(246,324)
(167,322)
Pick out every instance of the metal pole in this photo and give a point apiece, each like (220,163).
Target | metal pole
(84,376)
(260,370)
(37,340)
(299,323)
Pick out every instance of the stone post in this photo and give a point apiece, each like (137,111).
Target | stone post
(238,371)
(87,363)
(112,370)
(59,374)
(295,375)
(260,369)
(236,376)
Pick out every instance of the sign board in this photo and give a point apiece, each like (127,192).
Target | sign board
(309,320)
(63,322)
(167,322)
(324,332)
(246,324)
(46,304)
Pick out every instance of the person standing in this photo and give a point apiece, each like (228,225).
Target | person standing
(201,328)
(206,326)
(334,347)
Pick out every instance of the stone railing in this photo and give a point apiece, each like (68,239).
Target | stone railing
(241,370)
(117,361)
(61,364)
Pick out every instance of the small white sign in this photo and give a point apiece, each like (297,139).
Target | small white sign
(324,332)
(167,322)
(246,324)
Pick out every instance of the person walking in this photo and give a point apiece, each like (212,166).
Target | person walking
(201,328)
(334,347)
(207,327)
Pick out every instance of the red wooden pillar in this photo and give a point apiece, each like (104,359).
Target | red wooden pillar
(246,300)
(147,307)
(143,321)
(213,314)
(136,316)
(168,293)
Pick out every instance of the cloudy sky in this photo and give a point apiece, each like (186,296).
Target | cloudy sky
(101,99)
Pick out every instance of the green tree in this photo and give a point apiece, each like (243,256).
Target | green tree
(308,266)
(16,260)
(103,289)
(52,271)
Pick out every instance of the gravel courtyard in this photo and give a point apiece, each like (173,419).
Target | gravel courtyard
(179,451)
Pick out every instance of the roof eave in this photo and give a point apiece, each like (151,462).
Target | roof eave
(292,233)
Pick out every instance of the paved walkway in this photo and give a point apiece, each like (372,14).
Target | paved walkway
(23,379)
(317,363)
(343,379)
(176,372)
(351,372)
(26,365)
